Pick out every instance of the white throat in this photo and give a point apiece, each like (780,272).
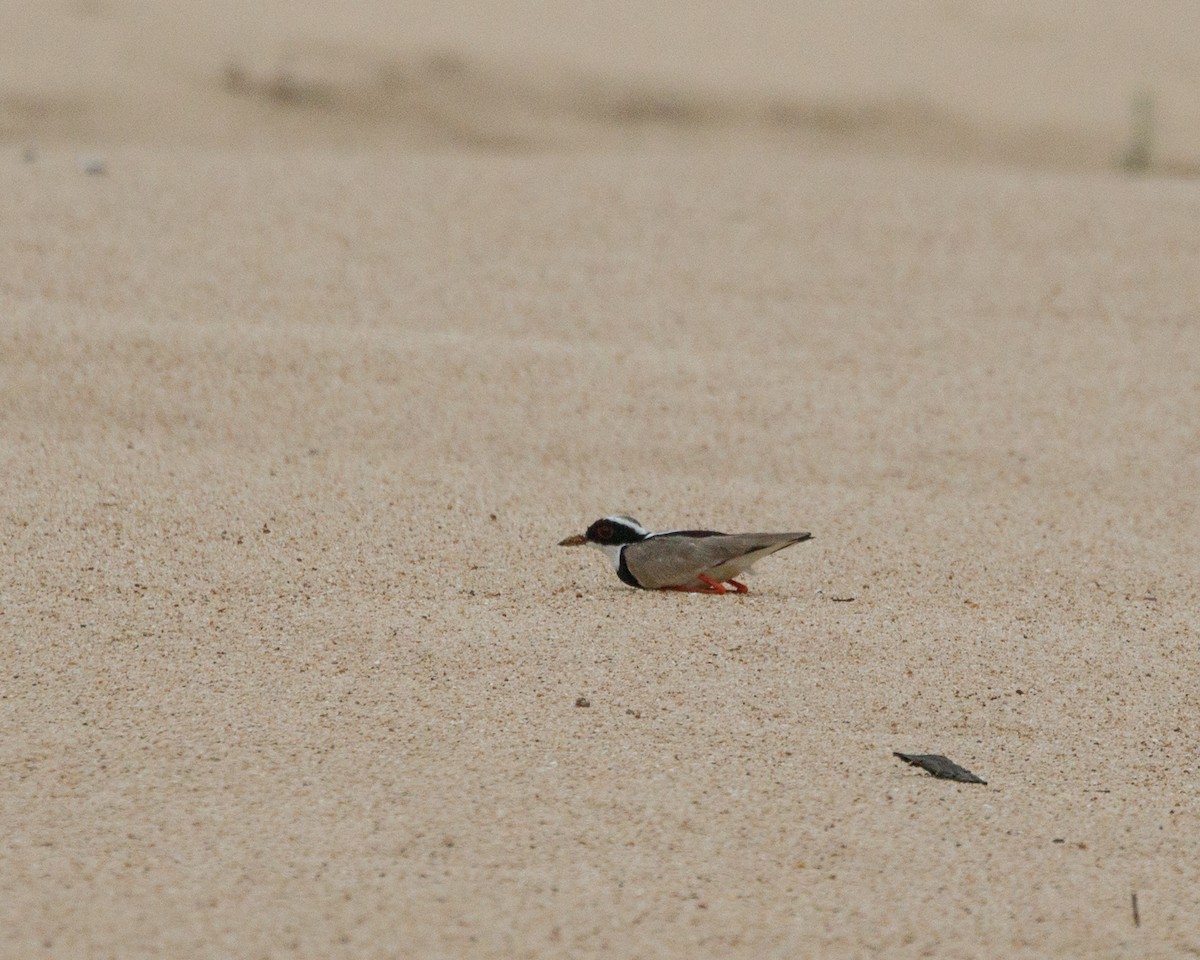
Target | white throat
(611,550)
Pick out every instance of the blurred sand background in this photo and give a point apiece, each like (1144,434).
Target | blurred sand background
(364,306)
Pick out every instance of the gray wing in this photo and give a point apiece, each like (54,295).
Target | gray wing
(675,560)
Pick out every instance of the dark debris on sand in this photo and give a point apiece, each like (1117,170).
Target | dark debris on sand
(940,766)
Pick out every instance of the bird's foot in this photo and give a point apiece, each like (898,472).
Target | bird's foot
(710,586)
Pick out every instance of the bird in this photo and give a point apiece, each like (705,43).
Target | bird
(693,561)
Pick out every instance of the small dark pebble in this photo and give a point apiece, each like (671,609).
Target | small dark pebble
(582,702)
(1059,840)
(940,767)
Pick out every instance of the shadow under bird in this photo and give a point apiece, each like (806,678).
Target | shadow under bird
(696,561)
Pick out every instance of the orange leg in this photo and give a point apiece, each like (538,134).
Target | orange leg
(712,584)
(739,587)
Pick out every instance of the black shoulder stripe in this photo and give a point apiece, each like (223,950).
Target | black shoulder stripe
(687,533)
(625,573)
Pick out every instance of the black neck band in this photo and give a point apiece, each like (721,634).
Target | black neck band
(624,572)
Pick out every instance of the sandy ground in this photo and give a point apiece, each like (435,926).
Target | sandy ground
(297,396)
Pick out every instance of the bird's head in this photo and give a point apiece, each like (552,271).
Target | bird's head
(608,532)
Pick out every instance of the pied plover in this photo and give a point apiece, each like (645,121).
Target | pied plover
(698,561)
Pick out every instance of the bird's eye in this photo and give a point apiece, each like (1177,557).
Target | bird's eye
(604,531)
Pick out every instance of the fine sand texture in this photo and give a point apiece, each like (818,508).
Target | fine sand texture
(300,386)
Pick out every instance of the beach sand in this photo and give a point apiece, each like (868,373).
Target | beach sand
(302,385)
